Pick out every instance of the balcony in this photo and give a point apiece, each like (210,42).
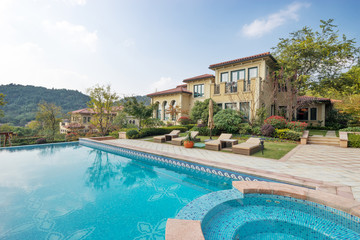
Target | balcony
(230,87)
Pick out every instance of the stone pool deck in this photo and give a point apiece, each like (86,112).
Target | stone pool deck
(330,169)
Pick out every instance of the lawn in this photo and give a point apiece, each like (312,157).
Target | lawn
(313,132)
(274,150)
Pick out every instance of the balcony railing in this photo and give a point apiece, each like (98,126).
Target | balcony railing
(231,87)
(217,89)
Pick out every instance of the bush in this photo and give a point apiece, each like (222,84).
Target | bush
(133,133)
(337,120)
(41,141)
(151,122)
(72,136)
(114,134)
(267,130)
(184,120)
(245,128)
(296,126)
(354,140)
(227,120)
(256,131)
(276,121)
(350,129)
(205,131)
(189,126)
(288,134)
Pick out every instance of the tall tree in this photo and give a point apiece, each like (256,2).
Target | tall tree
(2,102)
(102,101)
(137,109)
(49,115)
(313,58)
(200,110)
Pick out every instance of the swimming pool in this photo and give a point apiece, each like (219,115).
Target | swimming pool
(71,191)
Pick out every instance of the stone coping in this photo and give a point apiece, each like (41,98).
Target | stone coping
(180,229)
(337,189)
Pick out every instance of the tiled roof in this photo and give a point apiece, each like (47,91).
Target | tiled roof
(178,89)
(310,98)
(199,77)
(91,111)
(267,54)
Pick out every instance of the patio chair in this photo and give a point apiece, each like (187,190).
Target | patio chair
(251,146)
(179,140)
(216,144)
(161,139)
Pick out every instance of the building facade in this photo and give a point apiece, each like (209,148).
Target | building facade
(242,84)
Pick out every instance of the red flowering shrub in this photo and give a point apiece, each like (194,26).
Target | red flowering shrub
(296,126)
(276,121)
(184,120)
(73,136)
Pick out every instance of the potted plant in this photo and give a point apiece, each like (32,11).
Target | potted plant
(189,141)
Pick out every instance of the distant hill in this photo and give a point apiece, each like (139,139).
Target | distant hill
(22,101)
(139,98)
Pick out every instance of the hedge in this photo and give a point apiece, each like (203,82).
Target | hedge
(288,134)
(354,140)
(350,129)
(146,132)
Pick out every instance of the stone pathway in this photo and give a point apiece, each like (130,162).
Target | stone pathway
(330,134)
(330,164)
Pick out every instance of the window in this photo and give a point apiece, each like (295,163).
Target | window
(224,77)
(253,73)
(198,90)
(220,105)
(313,114)
(230,106)
(245,109)
(84,119)
(237,75)
(89,119)
(303,114)
(272,111)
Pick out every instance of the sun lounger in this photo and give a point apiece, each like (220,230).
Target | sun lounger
(216,144)
(161,139)
(251,146)
(179,140)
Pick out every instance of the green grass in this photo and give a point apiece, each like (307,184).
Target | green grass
(275,150)
(313,132)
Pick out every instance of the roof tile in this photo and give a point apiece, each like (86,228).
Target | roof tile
(266,54)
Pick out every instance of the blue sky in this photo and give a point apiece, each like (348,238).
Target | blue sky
(139,46)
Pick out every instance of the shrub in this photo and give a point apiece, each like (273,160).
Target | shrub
(133,133)
(245,128)
(189,126)
(114,134)
(184,120)
(40,141)
(267,130)
(276,121)
(337,120)
(151,122)
(354,140)
(350,129)
(169,124)
(288,134)
(296,126)
(200,125)
(205,131)
(227,120)
(256,131)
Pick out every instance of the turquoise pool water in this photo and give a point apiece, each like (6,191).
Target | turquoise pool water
(69,191)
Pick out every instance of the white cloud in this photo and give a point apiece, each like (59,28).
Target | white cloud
(262,26)
(75,2)
(26,64)
(163,84)
(72,33)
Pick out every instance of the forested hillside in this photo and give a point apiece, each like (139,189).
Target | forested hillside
(22,101)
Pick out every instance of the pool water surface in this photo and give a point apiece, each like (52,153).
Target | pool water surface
(69,191)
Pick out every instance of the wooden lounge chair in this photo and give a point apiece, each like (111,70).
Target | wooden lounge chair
(179,140)
(251,146)
(216,144)
(161,139)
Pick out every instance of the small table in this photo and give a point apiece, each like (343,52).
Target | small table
(169,137)
(228,142)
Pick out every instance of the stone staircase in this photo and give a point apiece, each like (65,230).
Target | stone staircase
(331,141)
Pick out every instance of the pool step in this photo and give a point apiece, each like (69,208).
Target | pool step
(331,141)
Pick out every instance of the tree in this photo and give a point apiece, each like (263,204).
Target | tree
(228,120)
(350,105)
(102,101)
(313,58)
(200,110)
(137,109)
(49,115)
(2,103)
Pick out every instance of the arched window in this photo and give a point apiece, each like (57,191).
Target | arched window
(157,111)
(173,110)
(165,107)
